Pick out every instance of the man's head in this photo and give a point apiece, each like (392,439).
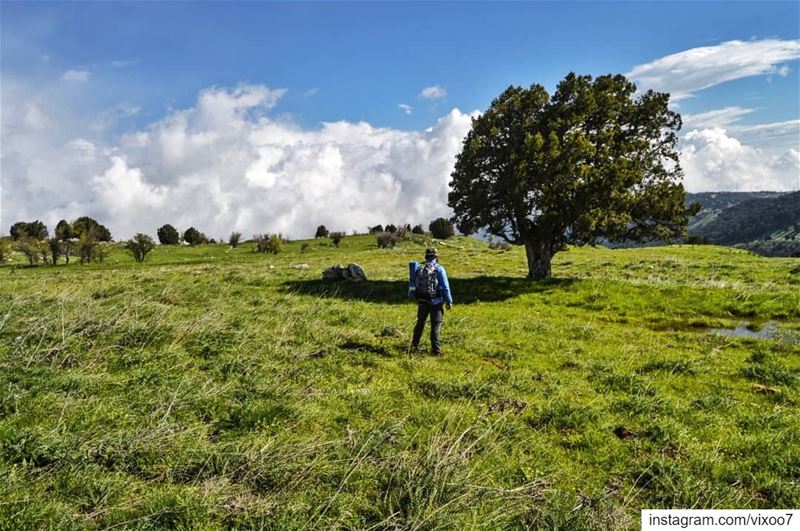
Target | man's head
(431,254)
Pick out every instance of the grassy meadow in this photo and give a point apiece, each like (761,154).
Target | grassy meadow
(218,388)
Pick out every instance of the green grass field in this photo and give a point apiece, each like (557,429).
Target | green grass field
(215,388)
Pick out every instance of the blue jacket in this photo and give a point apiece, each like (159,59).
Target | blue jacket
(443,293)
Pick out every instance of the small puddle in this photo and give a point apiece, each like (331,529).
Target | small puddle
(769,330)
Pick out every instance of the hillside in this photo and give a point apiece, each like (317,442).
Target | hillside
(218,388)
(769,225)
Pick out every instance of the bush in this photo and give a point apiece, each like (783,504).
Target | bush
(387,240)
(699,240)
(33,248)
(233,239)
(391,228)
(376,229)
(192,236)
(322,232)
(5,250)
(442,229)
(266,243)
(139,246)
(418,229)
(168,235)
(304,248)
(337,237)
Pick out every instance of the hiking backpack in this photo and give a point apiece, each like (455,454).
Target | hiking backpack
(426,282)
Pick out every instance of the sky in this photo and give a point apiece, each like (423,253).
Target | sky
(278,117)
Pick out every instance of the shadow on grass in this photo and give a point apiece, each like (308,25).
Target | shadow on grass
(465,290)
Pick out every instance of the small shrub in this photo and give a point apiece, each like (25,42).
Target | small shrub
(322,232)
(391,229)
(268,243)
(87,247)
(442,229)
(337,237)
(376,229)
(5,250)
(304,248)
(234,238)
(32,248)
(387,240)
(139,246)
(418,229)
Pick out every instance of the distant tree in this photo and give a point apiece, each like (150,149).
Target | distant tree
(387,240)
(87,247)
(34,249)
(139,246)
(337,237)
(65,233)
(5,250)
(233,239)
(102,251)
(57,248)
(35,229)
(84,224)
(168,235)
(192,236)
(594,161)
(322,232)
(442,229)
(418,229)
(376,229)
(391,228)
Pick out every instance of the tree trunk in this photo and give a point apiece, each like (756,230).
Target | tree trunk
(540,256)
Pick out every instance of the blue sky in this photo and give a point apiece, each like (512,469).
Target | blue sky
(102,73)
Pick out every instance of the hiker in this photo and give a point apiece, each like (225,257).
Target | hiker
(429,285)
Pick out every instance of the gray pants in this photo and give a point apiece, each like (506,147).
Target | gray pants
(436,311)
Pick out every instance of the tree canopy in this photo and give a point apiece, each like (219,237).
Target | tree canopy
(168,235)
(593,161)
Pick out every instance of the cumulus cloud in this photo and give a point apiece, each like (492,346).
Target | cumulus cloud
(407,109)
(434,92)
(227,164)
(684,73)
(713,160)
(76,76)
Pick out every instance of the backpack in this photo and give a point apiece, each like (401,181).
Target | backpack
(426,282)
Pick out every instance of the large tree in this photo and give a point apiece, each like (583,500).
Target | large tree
(594,161)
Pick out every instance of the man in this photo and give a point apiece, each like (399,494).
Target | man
(430,286)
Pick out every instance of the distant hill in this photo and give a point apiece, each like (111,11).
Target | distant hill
(765,222)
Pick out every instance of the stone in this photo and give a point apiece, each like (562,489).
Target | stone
(300,266)
(355,273)
(351,273)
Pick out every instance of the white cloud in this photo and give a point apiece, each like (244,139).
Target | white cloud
(433,92)
(76,76)
(714,118)
(121,64)
(407,109)
(226,164)
(713,160)
(310,92)
(684,73)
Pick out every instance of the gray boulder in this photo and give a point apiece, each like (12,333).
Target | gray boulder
(351,273)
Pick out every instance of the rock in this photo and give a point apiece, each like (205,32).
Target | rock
(333,273)
(354,273)
(351,273)
(300,266)
(623,433)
